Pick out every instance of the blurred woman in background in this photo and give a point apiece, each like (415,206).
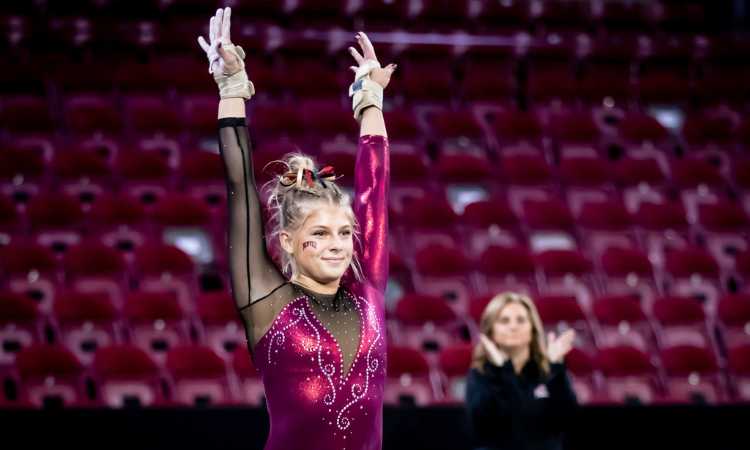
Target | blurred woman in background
(518,394)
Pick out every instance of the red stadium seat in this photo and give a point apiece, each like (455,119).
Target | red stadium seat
(581,367)
(501,261)
(442,15)
(408,380)
(548,215)
(402,125)
(199,376)
(562,262)
(695,274)
(463,168)
(692,374)
(507,269)
(552,86)
(633,171)
(26,162)
(561,312)
(503,18)
(156,258)
(623,322)
(56,220)
(606,225)
(251,384)
(739,365)
(146,175)
(636,129)
(444,273)
(583,172)
(663,88)
(725,224)
(629,272)
(276,121)
(455,125)
(87,323)
(692,173)
(428,323)
(682,321)
(20,326)
(734,320)
(314,81)
(429,213)
(177,209)
(485,214)
(30,269)
(95,267)
(436,260)
(126,373)
(89,117)
(488,86)
(223,331)
(328,120)
(156,323)
(514,126)
(567,273)
(150,118)
(168,269)
(49,373)
(629,374)
(382,15)
(28,115)
(455,362)
(524,170)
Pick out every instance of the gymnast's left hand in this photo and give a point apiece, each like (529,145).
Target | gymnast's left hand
(382,75)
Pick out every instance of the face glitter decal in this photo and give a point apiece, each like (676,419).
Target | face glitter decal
(312,244)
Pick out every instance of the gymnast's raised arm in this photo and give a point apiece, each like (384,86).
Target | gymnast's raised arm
(253,273)
(372,169)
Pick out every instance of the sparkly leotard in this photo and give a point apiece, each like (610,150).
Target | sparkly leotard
(322,358)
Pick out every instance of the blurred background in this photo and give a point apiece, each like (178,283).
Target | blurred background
(591,154)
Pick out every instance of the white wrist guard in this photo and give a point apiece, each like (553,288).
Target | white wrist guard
(365,92)
(232,85)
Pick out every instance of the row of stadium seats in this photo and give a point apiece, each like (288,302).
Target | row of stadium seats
(125,376)
(423,15)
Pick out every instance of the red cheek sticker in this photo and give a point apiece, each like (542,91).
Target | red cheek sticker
(312,244)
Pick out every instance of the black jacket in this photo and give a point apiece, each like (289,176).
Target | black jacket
(520,411)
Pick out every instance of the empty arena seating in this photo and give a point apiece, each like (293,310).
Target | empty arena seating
(593,155)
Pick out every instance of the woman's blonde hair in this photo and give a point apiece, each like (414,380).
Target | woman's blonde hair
(491,313)
(290,204)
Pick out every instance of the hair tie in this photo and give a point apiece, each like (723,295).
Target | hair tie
(308,175)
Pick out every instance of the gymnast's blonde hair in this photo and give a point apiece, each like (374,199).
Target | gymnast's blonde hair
(290,204)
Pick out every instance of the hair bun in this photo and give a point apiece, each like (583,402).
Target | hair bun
(297,162)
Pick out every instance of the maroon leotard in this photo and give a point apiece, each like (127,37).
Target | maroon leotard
(322,358)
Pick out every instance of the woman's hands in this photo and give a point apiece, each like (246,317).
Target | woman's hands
(379,75)
(558,348)
(496,355)
(221,61)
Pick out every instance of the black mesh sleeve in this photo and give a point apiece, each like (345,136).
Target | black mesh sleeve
(253,273)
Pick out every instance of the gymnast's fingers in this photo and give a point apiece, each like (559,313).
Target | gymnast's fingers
(204,45)
(356,55)
(227,23)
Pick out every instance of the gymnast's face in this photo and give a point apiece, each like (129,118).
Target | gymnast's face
(322,247)
(513,327)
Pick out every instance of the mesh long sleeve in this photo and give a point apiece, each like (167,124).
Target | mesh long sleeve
(371,184)
(253,273)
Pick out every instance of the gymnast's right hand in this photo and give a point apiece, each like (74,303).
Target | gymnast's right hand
(220,60)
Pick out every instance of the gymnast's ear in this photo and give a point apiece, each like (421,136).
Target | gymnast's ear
(285,239)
